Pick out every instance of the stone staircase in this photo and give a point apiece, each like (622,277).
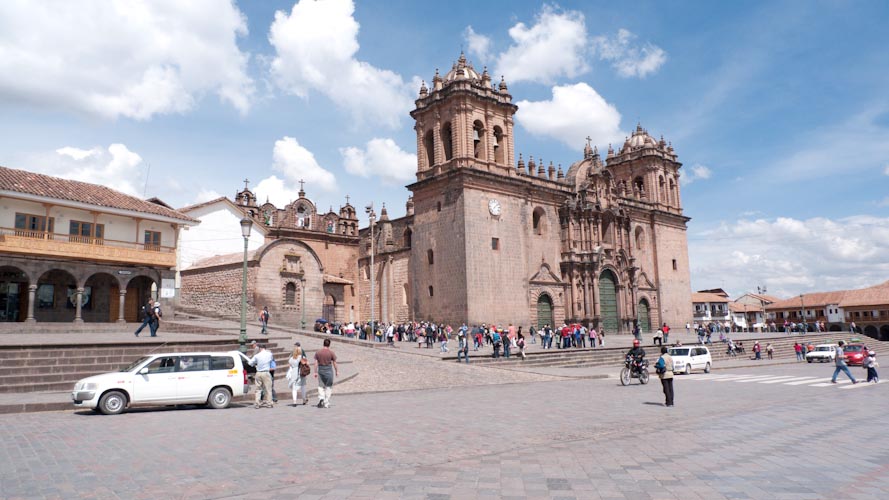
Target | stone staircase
(608,356)
(36,368)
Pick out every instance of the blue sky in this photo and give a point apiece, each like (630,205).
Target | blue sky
(778,110)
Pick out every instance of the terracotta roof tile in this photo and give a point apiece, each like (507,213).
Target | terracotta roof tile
(699,297)
(875,295)
(21,181)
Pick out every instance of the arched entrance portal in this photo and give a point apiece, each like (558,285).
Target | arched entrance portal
(835,328)
(544,311)
(871,331)
(608,301)
(329,310)
(643,315)
(13,294)
(103,305)
(56,296)
(138,292)
(884,332)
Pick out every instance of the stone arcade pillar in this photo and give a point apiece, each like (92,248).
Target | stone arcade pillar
(78,304)
(32,296)
(120,314)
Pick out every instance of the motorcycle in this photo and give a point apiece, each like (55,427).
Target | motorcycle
(633,369)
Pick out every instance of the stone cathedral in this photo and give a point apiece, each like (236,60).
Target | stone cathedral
(490,237)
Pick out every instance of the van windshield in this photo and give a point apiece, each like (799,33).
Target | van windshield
(134,364)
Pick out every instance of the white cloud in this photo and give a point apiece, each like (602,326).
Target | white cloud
(792,256)
(131,59)
(553,47)
(575,112)
(479,45)
(115,166)
(205,195)
(297,163)
(315,51)
(886,170)
(694,173)
(627,57)
(275,190)
(884,202)
(382,158)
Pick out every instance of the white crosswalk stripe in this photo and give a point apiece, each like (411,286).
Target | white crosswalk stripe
(792,380)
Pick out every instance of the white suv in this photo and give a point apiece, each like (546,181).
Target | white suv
(822,352)
(211,378)
(688,358)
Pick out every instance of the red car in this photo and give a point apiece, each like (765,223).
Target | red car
(855,354)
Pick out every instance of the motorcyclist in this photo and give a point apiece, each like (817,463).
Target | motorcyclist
(636,354)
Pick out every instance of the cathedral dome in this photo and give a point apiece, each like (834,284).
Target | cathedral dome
(640,139)
(462,71)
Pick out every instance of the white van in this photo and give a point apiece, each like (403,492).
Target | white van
(688,358)
(211,378)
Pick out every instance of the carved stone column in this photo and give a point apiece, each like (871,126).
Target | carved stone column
(32,296)
(78,306)
(120,315)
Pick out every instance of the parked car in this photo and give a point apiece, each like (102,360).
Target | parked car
(211,378)
(854,354)
(686,359)
(822,352)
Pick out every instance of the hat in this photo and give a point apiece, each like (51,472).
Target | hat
(871,353)
(157,304)
(296,344)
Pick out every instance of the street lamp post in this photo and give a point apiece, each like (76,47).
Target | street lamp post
(762,304)
(246,225)
(372,216)
(802,310)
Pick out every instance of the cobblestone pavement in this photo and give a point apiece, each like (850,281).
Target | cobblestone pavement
(560,439)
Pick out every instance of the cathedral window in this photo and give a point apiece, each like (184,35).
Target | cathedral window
(495,243)
(478,144)
(499,146)
(674,200)
(675,267)
(663,190)
(290,294)
(447,141)
(408,236)
(638,188)
(429,149)
(538,221)
(431,292)
(430,256)
(640,238)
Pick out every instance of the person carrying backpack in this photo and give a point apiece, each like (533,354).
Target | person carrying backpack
(264,319)
(664,370)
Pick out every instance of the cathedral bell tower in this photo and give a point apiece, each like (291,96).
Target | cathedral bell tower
(463,121)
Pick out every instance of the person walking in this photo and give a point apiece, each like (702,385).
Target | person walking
(156,315)
(592,336)
(840,362)
(520,342)
(262,360)
(757,351)
(666,330)
(264,320)
(602,337)
(769,350)
(664,369)
(547,337)
(325,370)
(871,365)
(798,349)
(463,347)
(295,377)
(147,314)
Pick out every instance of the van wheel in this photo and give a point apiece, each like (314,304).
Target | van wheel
(707,368)
(220,398)
(809,360)
(112,403)
(688,369)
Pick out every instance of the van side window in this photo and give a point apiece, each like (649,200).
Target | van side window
(222,363)
(166,364)
(194,363)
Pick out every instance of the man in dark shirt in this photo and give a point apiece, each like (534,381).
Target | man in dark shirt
(636,354)
(325,369)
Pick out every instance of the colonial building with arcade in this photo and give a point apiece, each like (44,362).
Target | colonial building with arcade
(73,251)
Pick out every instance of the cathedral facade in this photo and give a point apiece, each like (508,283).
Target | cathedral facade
(487,237)
(490,238)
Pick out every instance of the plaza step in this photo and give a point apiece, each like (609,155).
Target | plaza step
(614,356)
(33,368)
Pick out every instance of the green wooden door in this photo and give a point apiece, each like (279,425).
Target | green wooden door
(544,311)
(643,314)
(608,301)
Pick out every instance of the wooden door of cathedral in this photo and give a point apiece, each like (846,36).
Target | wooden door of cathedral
(544,311)
(643,314)
(608,301)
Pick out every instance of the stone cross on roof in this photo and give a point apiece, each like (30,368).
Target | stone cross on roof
(246,183)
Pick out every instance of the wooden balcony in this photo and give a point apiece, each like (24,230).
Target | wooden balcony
(86,249)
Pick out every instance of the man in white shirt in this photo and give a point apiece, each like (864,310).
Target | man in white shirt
(262,360)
